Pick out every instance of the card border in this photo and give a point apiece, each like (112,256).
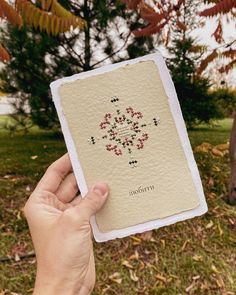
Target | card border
(182,132)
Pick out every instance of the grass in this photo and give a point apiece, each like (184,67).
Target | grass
(197,256)
(216,134)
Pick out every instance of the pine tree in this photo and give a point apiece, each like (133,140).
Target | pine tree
(197,104)
(37,59)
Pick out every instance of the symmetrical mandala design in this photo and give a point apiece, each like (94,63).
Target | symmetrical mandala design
(124,131)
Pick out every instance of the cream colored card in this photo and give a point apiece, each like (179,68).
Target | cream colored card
(123,125)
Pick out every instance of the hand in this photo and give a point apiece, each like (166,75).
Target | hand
(61,233)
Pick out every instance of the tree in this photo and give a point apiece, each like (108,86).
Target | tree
(29,72)
(37,59)
(158,16)
(47,15)
(223,7)
(197,104)
(9,13)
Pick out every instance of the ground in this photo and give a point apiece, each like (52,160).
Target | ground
(197,256)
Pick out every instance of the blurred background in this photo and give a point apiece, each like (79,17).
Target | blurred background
(43,40)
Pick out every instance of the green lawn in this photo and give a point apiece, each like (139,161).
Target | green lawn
(193,257)
(215,135)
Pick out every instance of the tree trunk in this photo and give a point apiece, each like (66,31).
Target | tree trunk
(231,197)
(87,55)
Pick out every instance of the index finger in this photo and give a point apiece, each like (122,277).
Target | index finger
(54,175)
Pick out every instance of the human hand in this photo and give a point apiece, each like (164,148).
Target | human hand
(61,233)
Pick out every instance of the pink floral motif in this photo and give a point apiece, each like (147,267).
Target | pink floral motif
(114,148)
(133,113)
(106,121)
(141,140)
(124,132)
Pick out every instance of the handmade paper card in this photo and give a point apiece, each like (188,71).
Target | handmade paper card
(123,125)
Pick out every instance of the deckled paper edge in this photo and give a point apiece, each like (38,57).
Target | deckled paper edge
(182,132)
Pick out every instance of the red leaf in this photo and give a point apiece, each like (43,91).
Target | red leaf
(4,55)
(224,6)
(218,33)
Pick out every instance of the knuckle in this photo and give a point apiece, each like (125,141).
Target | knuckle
(74,183)
(53,169)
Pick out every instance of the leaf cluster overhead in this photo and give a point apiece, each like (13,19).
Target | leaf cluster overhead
(48,15)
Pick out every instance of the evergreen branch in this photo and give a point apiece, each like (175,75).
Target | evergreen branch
(113,53)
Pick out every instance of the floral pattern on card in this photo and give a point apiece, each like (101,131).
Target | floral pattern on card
(124,130)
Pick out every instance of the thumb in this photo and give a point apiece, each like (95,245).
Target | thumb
(90,204)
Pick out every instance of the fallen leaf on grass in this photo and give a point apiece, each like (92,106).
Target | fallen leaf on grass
(194,280)
(220,230)
(17,257)
(220,283)
(223,146)
(197,258)
(214,269)
(163,243)
(205,286)
(211,182)
(216,168)
(204,147)
(28,189)
(34,157)
(147,236)
(185,244)
(133,275)
(210,224)
(135,256)
(142,266)
(136,240)
(127,264)
(161,278)
(115,277)
(217,153)
(189,288)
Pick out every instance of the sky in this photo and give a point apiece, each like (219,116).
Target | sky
(204,37)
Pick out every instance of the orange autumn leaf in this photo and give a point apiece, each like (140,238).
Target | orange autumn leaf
(4,55)
(222,7)
(7,11)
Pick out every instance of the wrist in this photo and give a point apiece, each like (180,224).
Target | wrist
(53,289)
(55,286)
(52,286)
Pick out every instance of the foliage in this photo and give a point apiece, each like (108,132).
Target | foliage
(221,7)
(28,74)
(51,16)
(37,59)
(157,18)
(196,255)
(226,100)
(8,12)
(197,104)
(4,55)
(160,15)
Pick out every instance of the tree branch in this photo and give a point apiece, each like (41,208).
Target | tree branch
(113,53)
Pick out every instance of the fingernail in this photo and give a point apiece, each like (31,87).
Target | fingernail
(101,189)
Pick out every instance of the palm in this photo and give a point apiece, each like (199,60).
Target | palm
(60,229)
